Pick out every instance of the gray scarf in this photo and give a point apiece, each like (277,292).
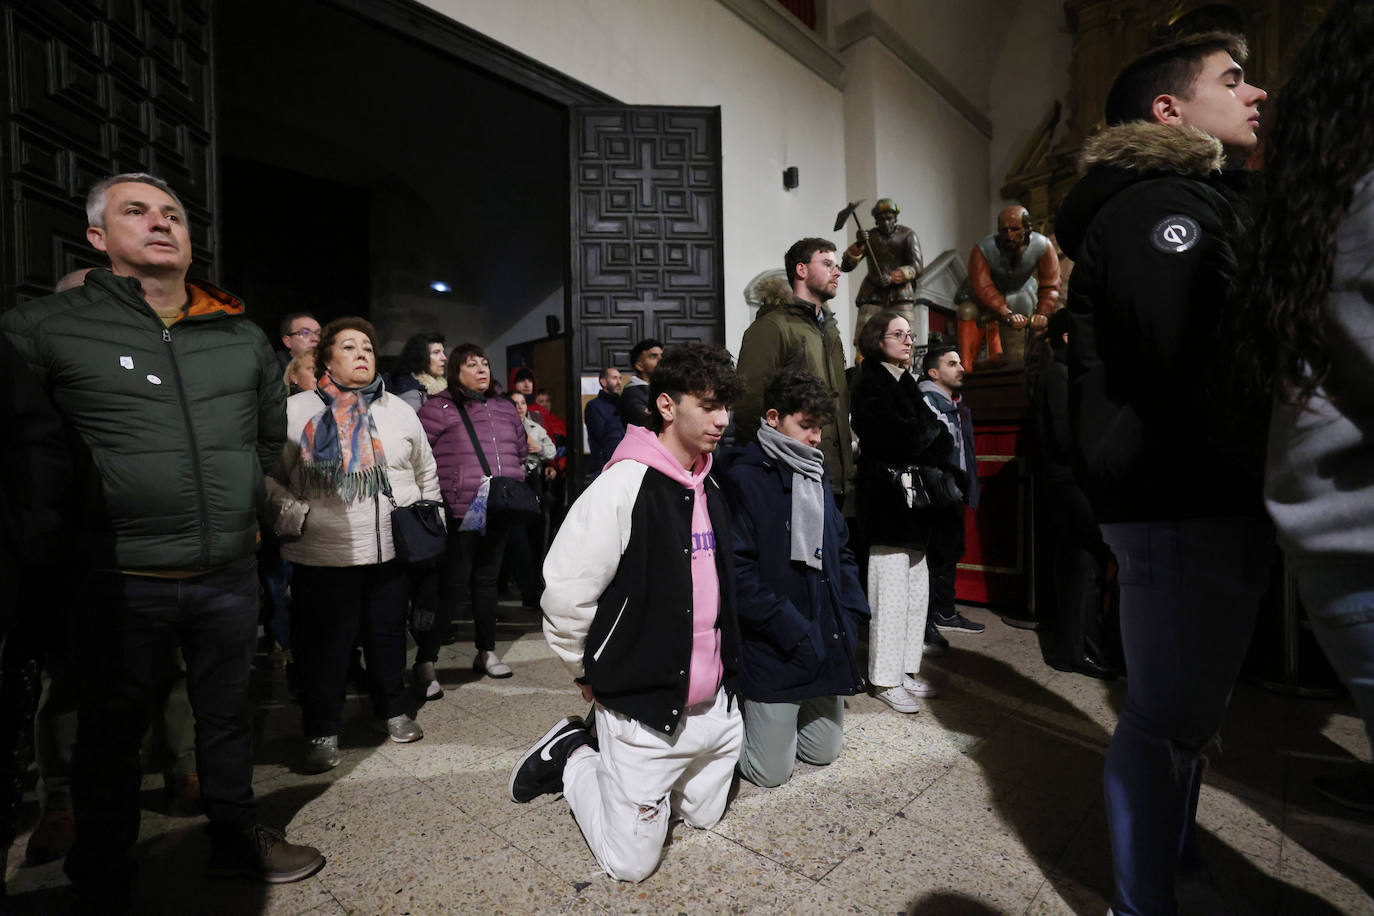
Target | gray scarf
(808,493)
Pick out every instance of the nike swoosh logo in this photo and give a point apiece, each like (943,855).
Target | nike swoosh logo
(544,751)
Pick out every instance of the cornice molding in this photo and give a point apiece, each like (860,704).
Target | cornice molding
(869,24)
(784,30)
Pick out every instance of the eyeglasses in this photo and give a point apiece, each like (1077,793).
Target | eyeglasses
(305,334)
(828,263)
(899,335)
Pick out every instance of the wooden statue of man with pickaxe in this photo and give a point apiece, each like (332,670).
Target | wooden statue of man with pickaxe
(893,254)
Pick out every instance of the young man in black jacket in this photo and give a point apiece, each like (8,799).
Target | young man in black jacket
(639,605)
(1151,228)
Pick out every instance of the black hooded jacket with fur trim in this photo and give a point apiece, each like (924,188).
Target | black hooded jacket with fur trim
(1151,227)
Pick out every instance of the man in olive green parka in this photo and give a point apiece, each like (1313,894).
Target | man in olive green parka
(801,334)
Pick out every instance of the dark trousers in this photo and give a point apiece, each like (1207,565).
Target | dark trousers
(1071,577)
(470,565)
(274,574)
(128,627)
(944,549)
(335,607)
(1190,593)
(523,546)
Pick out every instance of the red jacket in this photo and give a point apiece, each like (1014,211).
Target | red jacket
(498,429)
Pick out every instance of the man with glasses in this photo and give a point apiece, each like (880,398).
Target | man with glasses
(801,334)
(300,334)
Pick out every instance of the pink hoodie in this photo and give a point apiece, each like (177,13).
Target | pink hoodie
(643,446)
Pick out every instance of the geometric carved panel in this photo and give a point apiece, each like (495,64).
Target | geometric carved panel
(91,89)
(646,230)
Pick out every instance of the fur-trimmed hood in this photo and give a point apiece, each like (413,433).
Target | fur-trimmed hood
(1125,155)
(1141,146)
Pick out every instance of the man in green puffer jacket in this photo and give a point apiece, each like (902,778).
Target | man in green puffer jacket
(801,333)
(172,403)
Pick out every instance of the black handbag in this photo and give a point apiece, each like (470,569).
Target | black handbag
(904,486)
(942,487)
(508,500)
(418,531)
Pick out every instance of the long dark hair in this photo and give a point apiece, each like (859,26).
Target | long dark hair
(1321,143)
(414,356)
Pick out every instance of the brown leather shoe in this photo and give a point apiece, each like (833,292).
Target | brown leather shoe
(52,838)
(263,854)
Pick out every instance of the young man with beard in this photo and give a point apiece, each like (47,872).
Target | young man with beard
(801,334)
(634,396)
(942,375)
(1151,227)
(639,604)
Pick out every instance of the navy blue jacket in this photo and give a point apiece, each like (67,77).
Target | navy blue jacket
(605,428)
(798,625)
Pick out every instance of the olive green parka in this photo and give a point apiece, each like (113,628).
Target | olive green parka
(171,427)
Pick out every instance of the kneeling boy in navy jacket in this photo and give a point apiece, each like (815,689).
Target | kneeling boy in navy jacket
(796,586)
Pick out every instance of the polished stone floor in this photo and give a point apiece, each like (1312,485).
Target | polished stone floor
(986,802)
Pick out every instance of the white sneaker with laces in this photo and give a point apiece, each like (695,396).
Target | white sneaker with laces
(918,686)
(899,699)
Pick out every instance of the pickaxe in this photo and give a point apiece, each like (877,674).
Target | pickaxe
(840,218)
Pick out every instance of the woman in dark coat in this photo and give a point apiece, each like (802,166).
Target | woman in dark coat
(896,429)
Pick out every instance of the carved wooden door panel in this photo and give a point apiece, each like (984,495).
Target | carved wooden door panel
(92,88)
(646,234)
(646,230)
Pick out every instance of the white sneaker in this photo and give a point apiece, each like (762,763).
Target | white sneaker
(918,686)
(427,681)
(487,663)
(899,699)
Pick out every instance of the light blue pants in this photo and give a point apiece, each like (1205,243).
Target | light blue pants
(777,735)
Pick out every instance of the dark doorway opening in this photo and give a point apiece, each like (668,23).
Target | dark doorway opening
(301,263)
(364,172)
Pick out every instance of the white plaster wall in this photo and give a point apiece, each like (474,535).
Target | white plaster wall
(1031,71)
(774,111)
(907,143)
(961,38)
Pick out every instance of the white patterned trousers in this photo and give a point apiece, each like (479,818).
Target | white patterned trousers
(899,596)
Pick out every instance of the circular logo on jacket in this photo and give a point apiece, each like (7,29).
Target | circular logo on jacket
(1175,234)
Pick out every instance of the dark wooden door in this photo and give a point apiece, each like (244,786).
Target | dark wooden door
(92,89)
(646,232)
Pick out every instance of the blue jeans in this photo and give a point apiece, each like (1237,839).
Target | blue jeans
(1190,593)
(1339,597)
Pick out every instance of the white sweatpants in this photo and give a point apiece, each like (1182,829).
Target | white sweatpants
(624,795)
(899,596)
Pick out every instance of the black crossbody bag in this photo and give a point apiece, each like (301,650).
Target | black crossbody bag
(508,500)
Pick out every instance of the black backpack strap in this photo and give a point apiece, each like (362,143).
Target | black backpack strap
(476,446)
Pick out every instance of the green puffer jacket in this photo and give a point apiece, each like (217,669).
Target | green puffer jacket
(788,335)
(172,426)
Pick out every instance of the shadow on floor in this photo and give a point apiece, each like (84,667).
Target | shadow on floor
(1044,768)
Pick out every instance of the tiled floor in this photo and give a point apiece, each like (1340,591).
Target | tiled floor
(986,802)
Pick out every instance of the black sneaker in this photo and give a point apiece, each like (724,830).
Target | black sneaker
(262,854)
(935,643)
(958,622)
(540,770)
(1353,790)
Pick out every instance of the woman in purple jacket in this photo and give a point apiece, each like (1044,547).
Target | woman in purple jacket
(473,559)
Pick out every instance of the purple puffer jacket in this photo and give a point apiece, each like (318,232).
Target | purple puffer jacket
(498,428)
